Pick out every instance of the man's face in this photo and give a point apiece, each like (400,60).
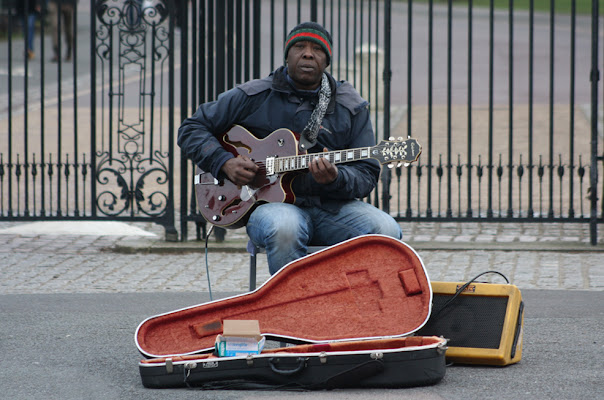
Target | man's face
(306,63)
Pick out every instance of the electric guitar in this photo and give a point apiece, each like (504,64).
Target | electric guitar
(226,205)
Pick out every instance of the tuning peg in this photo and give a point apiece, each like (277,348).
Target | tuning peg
(391,165)
(400,138)
(391,138)
(399,164)
(407,164)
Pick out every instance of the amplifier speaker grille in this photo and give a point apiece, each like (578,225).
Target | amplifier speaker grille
(471,321)
(483,324)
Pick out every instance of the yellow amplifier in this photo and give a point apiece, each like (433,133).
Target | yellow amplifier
(483,323)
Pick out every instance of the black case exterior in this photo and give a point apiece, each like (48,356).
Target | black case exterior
(376,369)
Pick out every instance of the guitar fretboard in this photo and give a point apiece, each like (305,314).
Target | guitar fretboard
(277,165)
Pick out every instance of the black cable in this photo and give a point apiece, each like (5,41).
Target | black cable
(207,266)
(464,286)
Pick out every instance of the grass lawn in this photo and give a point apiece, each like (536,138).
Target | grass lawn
(560,6)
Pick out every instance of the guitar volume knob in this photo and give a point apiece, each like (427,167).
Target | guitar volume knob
(222,197)
(216,218)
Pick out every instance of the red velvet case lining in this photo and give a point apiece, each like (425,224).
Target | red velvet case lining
(367,287)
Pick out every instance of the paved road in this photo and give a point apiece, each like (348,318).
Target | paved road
(80,346)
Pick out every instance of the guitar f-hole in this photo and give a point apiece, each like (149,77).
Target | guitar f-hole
(227,209)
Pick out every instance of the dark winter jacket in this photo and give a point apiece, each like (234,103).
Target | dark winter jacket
(265,105)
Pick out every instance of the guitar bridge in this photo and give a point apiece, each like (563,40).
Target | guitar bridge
(270,166)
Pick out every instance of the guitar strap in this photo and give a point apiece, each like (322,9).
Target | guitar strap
(308,138)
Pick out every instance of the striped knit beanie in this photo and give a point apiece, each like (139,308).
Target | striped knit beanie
(310,31)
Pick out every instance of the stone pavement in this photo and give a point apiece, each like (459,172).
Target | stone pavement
(532,256)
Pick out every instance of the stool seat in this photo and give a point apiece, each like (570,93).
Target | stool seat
(255,250)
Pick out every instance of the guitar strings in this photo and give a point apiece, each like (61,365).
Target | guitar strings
(330,155)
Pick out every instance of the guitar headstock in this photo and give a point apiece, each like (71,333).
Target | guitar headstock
(397,152)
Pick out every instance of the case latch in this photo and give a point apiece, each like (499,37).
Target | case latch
(190,365)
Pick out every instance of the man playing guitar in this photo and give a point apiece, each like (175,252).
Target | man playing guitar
(328,115)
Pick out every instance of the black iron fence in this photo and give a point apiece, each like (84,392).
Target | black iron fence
(505,102)
(510,115)
(509,111)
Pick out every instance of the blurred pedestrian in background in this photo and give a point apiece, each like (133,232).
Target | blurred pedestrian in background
(27,10)
(61,15)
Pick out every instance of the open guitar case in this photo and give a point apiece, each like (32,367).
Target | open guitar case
(351,309)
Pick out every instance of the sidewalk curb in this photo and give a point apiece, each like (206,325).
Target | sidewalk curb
(195,246)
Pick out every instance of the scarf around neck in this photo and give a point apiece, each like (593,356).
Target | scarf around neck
(308,137)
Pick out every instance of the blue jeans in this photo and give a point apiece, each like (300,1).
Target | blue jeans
(285,230)
(29,30)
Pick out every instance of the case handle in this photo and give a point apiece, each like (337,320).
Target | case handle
(287,372)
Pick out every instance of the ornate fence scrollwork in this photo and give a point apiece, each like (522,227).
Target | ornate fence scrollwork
(132,49)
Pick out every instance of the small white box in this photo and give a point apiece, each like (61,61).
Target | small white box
(239,337)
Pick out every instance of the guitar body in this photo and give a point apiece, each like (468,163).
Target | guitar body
(225,204)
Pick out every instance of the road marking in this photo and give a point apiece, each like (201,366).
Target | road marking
(17,71)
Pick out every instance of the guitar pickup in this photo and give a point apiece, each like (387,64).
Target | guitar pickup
(270,166)
(200,180)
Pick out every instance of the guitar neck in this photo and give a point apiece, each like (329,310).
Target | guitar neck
(277,165)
